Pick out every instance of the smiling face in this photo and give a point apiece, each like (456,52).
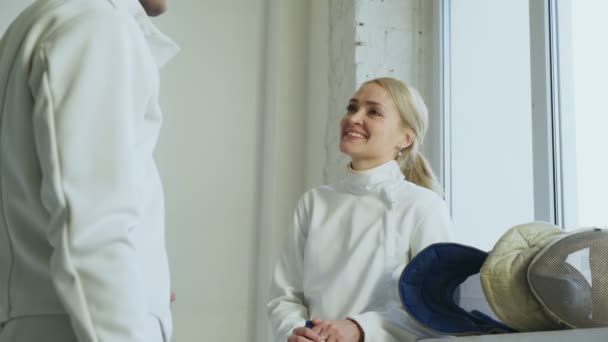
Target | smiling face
(372,131)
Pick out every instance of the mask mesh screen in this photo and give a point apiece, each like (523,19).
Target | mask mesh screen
(570,279)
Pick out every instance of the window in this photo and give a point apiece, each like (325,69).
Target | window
(490,160)
(524,114)
(582,70)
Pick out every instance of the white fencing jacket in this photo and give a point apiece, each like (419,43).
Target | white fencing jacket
(348,246)
(81,202)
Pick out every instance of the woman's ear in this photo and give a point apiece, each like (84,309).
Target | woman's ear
(407,138)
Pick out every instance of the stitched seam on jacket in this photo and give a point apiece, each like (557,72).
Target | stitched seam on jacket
(2,195)
(56,159)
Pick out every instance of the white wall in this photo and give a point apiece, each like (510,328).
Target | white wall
(318,90)
(234,157)
(9,9)
(209,157)
(284,149)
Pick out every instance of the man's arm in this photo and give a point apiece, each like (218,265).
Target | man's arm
(89,85)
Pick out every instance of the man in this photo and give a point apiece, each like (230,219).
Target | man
(82,250)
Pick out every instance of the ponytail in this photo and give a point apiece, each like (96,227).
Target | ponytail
(417,170)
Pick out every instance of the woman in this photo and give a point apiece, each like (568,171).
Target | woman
(351,240)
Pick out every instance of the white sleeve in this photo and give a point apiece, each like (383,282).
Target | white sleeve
(88,83)
(433,225)
(286,306)
(392,323)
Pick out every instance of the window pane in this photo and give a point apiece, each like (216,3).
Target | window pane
(583,67)
(492,185)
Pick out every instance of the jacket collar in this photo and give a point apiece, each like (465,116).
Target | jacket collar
(162,47)
(374,181)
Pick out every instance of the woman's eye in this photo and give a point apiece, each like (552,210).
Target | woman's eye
(375,112)
(351,108)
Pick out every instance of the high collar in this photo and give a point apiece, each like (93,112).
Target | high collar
(380,180)
(162,47)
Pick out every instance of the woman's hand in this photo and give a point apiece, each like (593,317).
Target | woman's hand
(338,331)
(304,335)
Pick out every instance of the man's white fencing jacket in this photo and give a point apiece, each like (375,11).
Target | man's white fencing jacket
(82,247)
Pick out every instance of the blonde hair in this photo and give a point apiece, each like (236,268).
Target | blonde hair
(414,116)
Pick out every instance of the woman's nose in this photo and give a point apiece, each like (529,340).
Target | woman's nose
(356,117)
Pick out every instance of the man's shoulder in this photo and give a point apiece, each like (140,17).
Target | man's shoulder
(46,17)
(64,10)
